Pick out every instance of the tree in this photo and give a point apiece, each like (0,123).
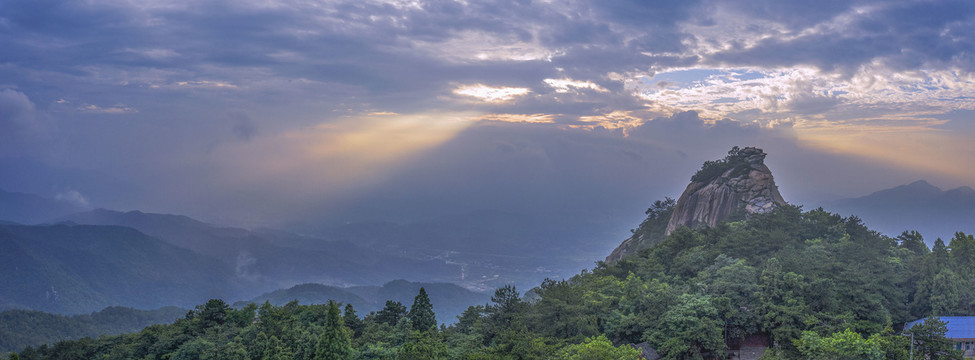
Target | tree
(276,350)
(212,314)
(689,329)
(781,303)
(236,351)
(840,346)
(660,207)
(598,348)
(913,241)
(352,320)
(391,314)
(940,253)
(930,341)
(334,342)
(469,318)
(421,313)
(423,345)
(506,303)
(963,254)
(945,293)
(734,288)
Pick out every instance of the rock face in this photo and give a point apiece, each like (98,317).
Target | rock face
(739,185)
(747,186)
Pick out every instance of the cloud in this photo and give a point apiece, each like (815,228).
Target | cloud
(614,120)
(17,113)
(565,85)
(155,54)
(72,197)
(205,84)
(491,94)
(472,46)
(899,35)
(519,118)
(115,109)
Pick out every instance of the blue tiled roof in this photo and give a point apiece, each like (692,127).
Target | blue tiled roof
(959,327)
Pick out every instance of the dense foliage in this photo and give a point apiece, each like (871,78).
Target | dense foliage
(712,169)
(816,285)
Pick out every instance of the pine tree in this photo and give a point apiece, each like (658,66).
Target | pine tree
(352,320)
(334,342)
(391,314)
(421,313)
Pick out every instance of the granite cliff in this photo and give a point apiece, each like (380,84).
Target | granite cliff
(735,187)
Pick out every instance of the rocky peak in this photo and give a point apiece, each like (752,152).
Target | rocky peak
(738,185)
(740,182)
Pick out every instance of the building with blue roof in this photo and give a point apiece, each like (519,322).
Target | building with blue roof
(961,329)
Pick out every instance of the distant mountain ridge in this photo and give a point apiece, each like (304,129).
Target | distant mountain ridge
(933,212)
(32,209)
(72,269)
(269,260)
(449,300)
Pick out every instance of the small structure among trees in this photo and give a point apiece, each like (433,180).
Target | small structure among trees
(946,337)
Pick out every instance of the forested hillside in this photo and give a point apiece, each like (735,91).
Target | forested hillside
(72,269)
(22,328)
(814,284)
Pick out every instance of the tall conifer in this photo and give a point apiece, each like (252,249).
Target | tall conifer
(334,342)
(421,313)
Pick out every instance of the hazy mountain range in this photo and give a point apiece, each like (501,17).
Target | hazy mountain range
(81,268)
(84,261)
(269,260)
(933,212)
(88,260)
(31,209)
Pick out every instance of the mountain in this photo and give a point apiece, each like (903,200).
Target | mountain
(735,187)
(267,260)
(449,300)
(81,268)
(308,294)
(741,182)
(22,328)
(492,248)
(920,206)
(32,209)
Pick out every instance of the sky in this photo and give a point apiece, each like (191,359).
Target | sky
(268,112)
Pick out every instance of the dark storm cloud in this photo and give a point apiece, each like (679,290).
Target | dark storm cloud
(361,44)
(901,35)
(796,15)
